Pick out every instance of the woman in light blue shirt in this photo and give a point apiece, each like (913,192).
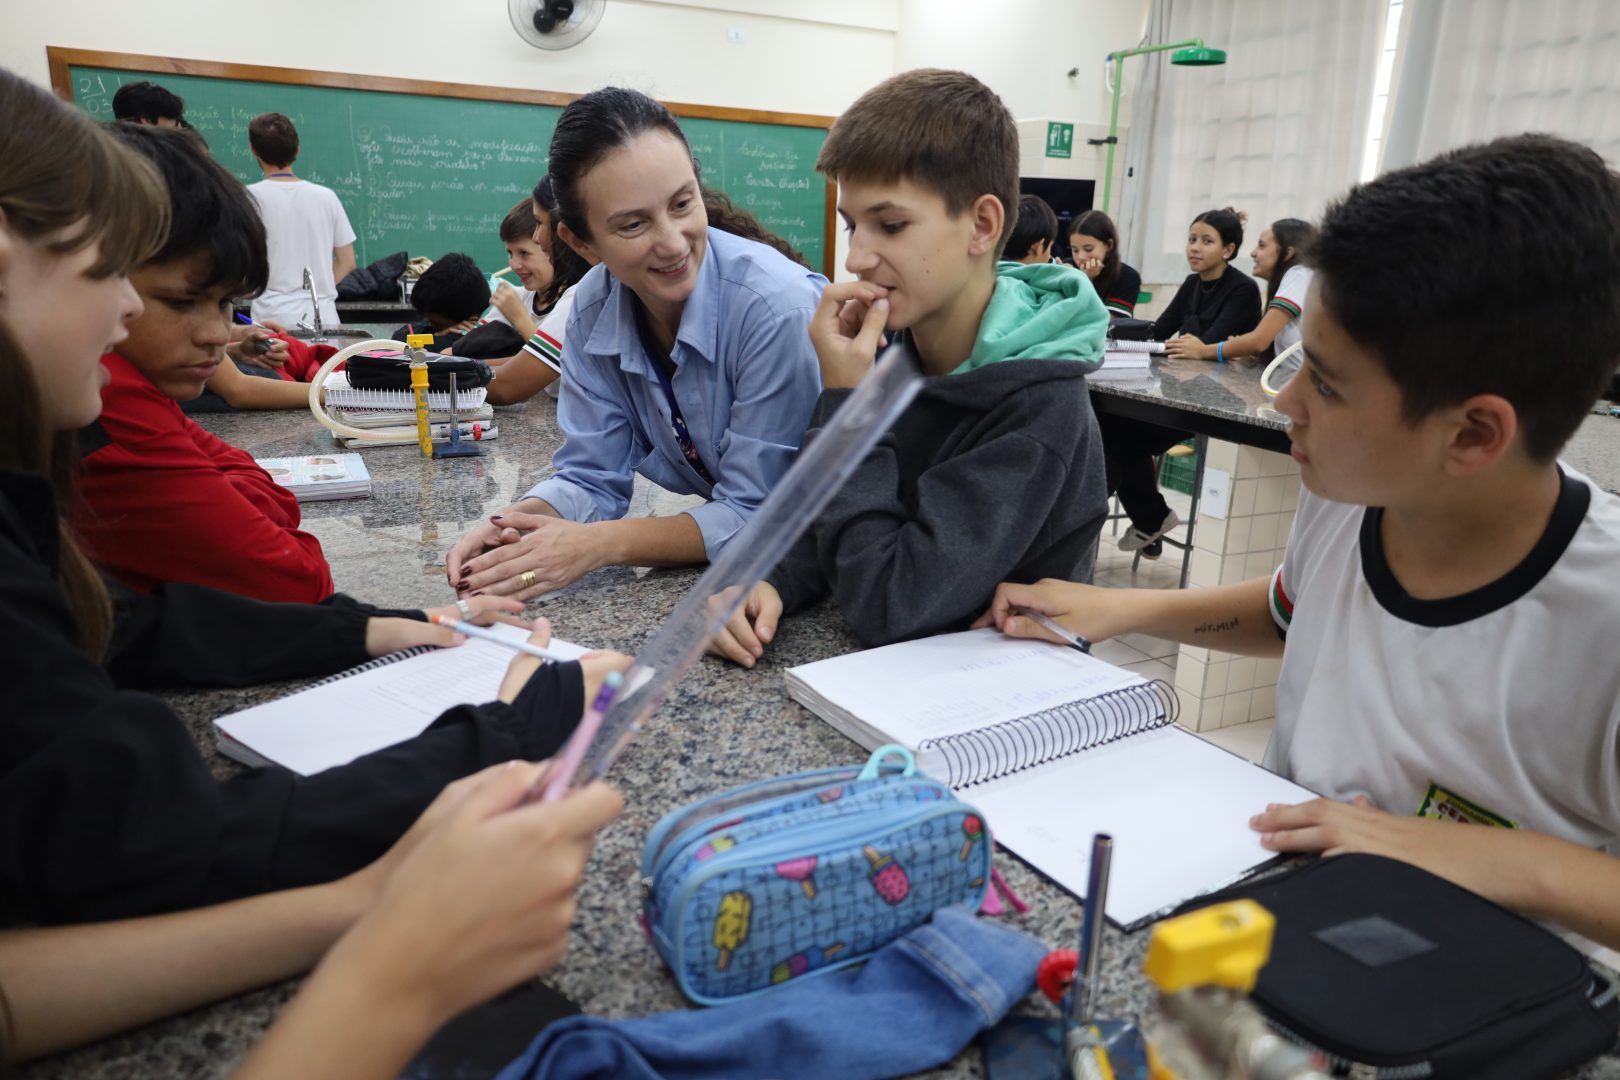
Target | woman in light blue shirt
(687,358)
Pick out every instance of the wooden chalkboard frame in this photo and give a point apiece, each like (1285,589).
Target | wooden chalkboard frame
(61,59)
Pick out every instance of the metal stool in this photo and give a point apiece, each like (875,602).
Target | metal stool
(1199,448)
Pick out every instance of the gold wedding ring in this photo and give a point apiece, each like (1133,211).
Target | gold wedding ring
(528,579)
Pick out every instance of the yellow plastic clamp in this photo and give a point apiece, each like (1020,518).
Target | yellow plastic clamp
(418,341)
(1223,945)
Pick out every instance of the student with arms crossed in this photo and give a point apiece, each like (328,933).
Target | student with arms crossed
(1278,261)
(994,471)
(1458,577)
(106,807)
(1215,302)
(162,500)
(1094,243)
(686,360)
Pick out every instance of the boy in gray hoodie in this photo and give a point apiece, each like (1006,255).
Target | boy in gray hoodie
(994,472)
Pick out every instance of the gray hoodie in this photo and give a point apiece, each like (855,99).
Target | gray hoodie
(990,475)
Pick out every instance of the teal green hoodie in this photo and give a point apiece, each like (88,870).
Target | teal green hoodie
(1040,312)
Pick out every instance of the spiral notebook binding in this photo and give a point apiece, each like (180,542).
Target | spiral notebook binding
(974,757)
(372,665)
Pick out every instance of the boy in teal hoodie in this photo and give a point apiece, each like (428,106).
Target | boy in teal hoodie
(995,470)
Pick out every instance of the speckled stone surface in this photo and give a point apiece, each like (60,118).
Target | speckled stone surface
(721,727)
(1229,391)
(1595,449)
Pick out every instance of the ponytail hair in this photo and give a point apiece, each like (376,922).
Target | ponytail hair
(1228,225)
(1293,238)
(567,265)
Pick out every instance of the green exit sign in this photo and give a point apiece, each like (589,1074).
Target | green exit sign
(1059,139)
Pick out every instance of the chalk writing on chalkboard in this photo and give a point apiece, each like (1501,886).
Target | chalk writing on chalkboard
(429,174)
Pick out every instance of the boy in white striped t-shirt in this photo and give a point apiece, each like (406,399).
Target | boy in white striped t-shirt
(1445,611)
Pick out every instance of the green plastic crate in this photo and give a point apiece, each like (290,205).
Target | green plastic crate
(1179,473)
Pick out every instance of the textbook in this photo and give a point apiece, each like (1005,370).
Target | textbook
(1153,348)
(380,703)
(1054,746)
(1123,365)
(320,477)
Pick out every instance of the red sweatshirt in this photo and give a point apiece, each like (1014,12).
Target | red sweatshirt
(162,500)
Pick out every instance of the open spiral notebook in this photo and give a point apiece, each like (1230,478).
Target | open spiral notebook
(366,708)
(1054,746)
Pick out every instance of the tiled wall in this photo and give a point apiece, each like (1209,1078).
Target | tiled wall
(1218,689)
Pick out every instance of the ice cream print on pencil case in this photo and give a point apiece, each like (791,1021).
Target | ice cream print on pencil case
(797,876)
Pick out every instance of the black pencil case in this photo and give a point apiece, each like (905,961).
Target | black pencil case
(391,371)
(1378,963)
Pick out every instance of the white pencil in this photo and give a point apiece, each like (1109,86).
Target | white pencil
(500,639)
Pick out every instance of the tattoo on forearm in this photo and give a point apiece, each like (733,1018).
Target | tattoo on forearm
(1217,627)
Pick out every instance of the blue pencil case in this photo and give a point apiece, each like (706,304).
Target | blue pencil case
(807,873)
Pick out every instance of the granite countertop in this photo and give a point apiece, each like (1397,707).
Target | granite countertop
(1595,449)
(1229,391)
(722,726)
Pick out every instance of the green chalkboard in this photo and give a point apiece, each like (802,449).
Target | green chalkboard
(428,173)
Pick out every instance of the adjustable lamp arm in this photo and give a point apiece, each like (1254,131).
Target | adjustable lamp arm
(1117,58)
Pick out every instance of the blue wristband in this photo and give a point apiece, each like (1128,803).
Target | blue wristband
(1220,350)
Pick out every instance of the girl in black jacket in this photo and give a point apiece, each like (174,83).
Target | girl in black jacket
(1215,302)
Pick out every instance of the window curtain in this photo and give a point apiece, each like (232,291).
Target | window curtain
(1276,131)
(1474,69)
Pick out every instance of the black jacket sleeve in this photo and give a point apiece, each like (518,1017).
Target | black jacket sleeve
(1237,310)
(1170,321)
(190,635)
(1126,288)
(107,808)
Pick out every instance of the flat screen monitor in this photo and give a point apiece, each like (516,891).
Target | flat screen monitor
(1069,198)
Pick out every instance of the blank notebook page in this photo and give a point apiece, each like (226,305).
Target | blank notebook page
(953,683)
(1177,807)
(349,717)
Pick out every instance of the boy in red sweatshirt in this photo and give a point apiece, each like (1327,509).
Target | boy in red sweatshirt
(162,500)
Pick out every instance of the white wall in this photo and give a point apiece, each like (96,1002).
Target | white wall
(808,56)
(1024,49)
(797,57)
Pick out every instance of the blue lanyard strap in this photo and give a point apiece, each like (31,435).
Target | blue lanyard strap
(678,422)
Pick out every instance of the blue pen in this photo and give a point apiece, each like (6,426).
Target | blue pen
(263,345)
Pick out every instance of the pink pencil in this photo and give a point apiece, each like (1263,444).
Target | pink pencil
(556,780)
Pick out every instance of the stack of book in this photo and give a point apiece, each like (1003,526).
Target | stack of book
(371,409)
(1127,359)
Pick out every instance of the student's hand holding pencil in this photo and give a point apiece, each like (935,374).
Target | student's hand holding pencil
(1085,610)
(847,331)
(386,634)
